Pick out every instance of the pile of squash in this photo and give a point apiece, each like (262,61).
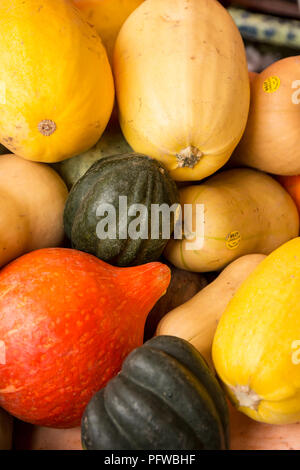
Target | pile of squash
(115,333)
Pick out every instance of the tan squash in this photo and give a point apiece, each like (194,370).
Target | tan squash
(197,320)
(271,139)
(245,211)
(182,84)
(56,84)
(32,200)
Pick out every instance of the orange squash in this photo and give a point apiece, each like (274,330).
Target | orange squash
(67,321)
(271,139)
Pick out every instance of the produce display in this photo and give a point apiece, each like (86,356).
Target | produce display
(246,212)
(140,180)
(149,228)
(165,385)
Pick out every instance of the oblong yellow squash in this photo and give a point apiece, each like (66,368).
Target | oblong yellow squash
(32,201)
(56,85)
(256,349)
(108,17)
(182,84)
(196,320)
(245,211)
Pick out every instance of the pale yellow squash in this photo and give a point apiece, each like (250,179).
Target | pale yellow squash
(32,200)
(56,85)
(182,84)
(256,349)
(108,17)
(245,211)
(196,320)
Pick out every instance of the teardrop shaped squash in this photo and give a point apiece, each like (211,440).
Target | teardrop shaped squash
(182,84)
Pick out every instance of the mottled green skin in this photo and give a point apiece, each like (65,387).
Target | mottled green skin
(164,398)
(139,178)
(111,143)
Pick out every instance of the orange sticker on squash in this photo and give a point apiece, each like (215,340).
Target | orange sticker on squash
(233,240)
(271,84)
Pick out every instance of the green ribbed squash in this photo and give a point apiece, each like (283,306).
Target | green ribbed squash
(142,181)
(111,143)
(164,398)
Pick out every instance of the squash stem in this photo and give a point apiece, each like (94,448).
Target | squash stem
(188,157)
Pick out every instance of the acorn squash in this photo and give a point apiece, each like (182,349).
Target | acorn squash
(244,211)
(138,179)
(165,397)
(256,349)
(111,143)
(56,85)
(179,67)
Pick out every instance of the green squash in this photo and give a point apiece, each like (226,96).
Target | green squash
(139,179)
(164,398)
(111,143)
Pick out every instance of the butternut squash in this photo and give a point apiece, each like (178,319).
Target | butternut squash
(32,200)
(271,139)
(196,320)
(108,17)
(56,85)
(256,349)
(182,84)
(245,211)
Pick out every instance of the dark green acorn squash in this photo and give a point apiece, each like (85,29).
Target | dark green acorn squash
(164,398)
(142,181)
(111,143)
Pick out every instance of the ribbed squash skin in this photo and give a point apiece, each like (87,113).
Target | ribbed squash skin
(56,84)
(256,346)
(111,143)
(108,17)
(165,397)
(183,85)
(137,177)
